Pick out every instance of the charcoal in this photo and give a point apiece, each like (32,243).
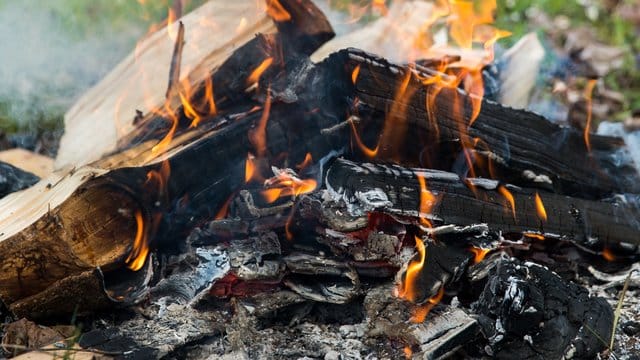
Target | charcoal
(528,312)
(13,179)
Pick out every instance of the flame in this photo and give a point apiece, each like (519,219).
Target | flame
(138,255)
(479,254)
(308,160)
(407,289)
(408,352)
(208,94)
(249,168)
(533,235)
(542,213)
(422,312)
(277,12)
(354,74)
(172,30)
(427,201)
(507,195)
(608,255)
(164,143)
(285,184)
(224,210)
(380,7)
(370,153)
(588,92)
(258,71)
(258,135)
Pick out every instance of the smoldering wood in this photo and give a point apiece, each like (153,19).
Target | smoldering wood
(395,189)
(518,140)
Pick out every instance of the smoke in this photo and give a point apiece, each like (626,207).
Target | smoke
(46,62)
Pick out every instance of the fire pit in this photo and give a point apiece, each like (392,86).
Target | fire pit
(353,206)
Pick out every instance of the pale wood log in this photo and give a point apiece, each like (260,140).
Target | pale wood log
(39,165)
(139,82)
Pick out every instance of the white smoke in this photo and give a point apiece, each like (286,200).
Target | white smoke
(46,63)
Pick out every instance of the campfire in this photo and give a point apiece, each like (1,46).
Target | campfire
(290,195)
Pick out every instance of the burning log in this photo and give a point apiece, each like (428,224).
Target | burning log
(103,216)
(506,208)
(433,112)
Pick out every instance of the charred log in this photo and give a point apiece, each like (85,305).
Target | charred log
(13,179)
(524,148)
(396,190)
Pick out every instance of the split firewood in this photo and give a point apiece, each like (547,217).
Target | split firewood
(523,148)
(213,32)
(505,208)
(102,216)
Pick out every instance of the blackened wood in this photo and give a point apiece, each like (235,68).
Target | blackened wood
(396,190)
(518,140)
(13,179)
(528,312)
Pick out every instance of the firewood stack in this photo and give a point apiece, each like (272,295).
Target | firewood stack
(280,207)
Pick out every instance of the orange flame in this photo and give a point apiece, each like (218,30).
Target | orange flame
(588,92)
(308,160)
(277,12)
(427,201)
(370,153)
(354,74)
(507,195)
(533,235)
(542,213)
(138,255)
(164,143)
(208,94)
(407,287)
(249,168)
(422,312)
(224,210)
(380,7)
(284,184)
(258,135)
(257,72)
(479,254)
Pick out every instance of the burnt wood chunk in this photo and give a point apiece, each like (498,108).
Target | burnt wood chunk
(13,179)
(529,312)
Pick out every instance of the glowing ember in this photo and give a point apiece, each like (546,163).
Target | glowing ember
(140,249)
(354,74)
(408,352)
(507,195)
(479,254)
(407,288)
(257,72)
(588,92)
(277,11)
(607,254)
(542,213)
(422,312)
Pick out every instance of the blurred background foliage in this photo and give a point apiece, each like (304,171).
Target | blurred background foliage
(76,42)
